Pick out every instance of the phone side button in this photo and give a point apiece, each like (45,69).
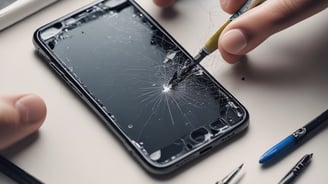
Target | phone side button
(43,54)
(76,90)
(56,69)
(73,86)
(63,76)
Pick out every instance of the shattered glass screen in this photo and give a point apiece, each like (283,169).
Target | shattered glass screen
(125,63)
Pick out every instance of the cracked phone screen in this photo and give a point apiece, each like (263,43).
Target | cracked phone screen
(124,61)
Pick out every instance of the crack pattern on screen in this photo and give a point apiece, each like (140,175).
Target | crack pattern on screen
(125,62)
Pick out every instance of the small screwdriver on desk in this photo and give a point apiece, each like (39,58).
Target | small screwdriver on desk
(228,178)
(210,46)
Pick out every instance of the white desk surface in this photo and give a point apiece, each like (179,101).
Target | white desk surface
(285,86)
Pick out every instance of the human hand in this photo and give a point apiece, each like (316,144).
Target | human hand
(20,116)
(164,3)
(253,27)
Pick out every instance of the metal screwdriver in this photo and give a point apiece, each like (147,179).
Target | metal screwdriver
(229,177)
(210,45)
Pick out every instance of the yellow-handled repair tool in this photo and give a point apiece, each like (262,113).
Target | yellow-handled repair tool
(210,46)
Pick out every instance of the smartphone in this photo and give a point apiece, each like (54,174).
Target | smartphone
(118,59)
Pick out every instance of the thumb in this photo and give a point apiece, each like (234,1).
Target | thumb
(164,3)
(252,28)
(20,115)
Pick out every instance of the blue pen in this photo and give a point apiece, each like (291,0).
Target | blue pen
(296,137)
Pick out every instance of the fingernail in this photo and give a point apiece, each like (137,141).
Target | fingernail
(234,41)
(30,109)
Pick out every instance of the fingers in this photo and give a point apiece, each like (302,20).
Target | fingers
(20,115)
(164,3)
(231,6)
(249,30)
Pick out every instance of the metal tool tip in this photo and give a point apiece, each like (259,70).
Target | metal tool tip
(171,83)
(166,88)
